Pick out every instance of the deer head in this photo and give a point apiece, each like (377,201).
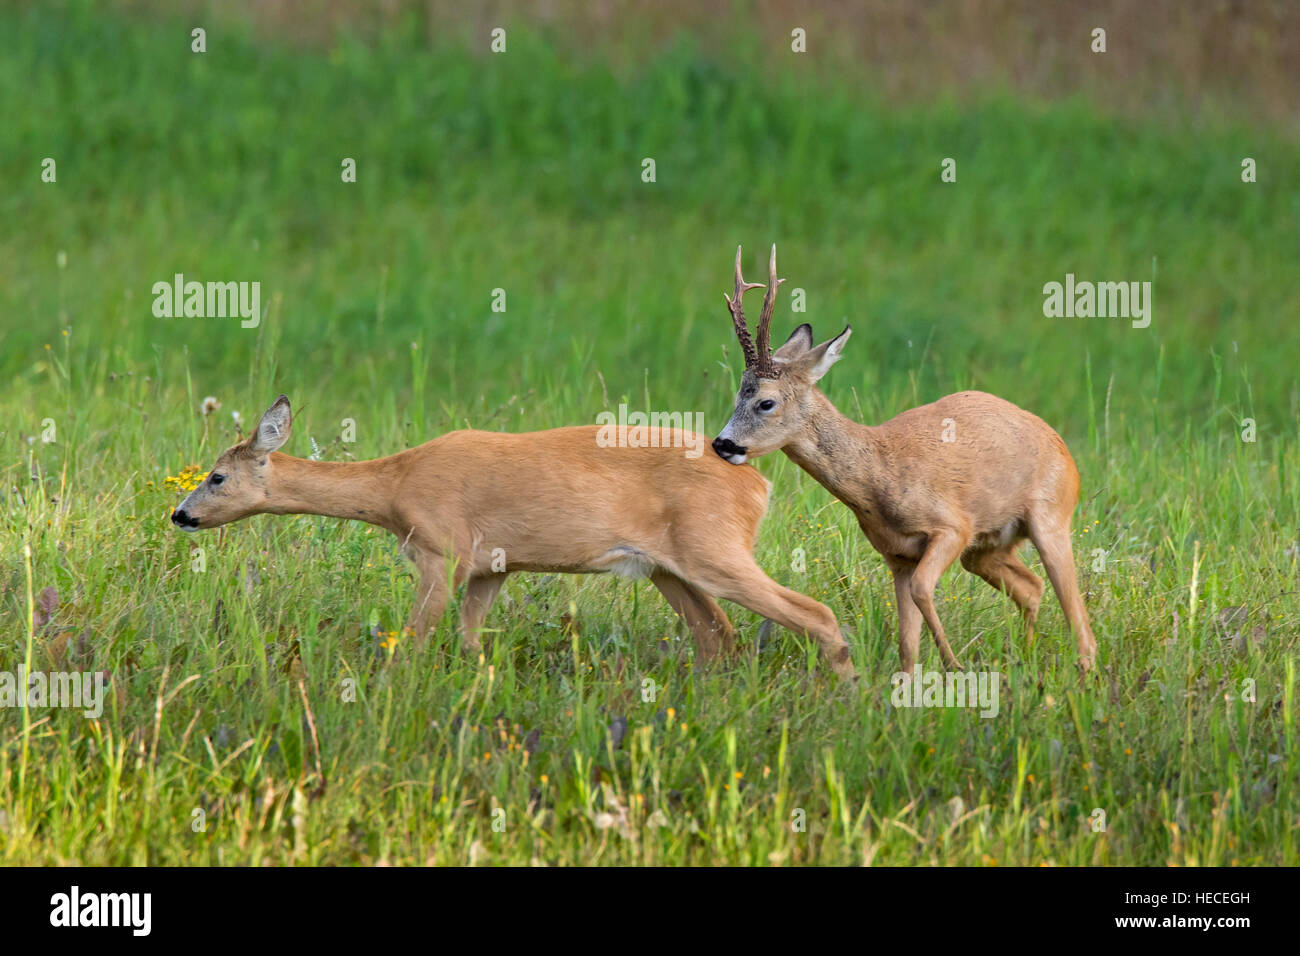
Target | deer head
(238,484)
(776,388)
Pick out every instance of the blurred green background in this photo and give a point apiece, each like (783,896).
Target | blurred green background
(522,171)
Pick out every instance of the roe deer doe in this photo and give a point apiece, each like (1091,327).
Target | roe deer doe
(969,476)
(484,504)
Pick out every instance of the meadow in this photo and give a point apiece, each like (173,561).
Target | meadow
(264,706)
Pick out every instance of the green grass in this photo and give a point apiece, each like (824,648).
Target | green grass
(523,172)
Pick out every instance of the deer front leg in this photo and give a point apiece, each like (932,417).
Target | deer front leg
(746,584)
(430,595)
(709,626)
(909,617)
(943,548)
(480,592)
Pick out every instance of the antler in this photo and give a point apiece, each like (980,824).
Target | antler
(738,314)
(757,358)
(765,368)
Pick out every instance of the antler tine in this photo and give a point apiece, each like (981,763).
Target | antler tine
(737,310)
(765,366)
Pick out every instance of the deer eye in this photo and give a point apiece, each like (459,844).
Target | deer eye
(217,479)
(767,404)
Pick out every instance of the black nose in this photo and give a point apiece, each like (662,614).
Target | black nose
(725,447)
(182,520)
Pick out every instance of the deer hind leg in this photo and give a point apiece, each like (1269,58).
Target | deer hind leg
(709,625)
(941,551)
(1052,539)
(1003,569)
(747,585)
(480,592)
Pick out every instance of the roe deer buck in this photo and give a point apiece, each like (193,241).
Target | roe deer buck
(969,476)
(484,504)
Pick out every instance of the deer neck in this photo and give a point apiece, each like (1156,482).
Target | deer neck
(835,450)
(359,490)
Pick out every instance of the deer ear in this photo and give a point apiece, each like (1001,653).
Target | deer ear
(273,429)
(800,341)
(817,362)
